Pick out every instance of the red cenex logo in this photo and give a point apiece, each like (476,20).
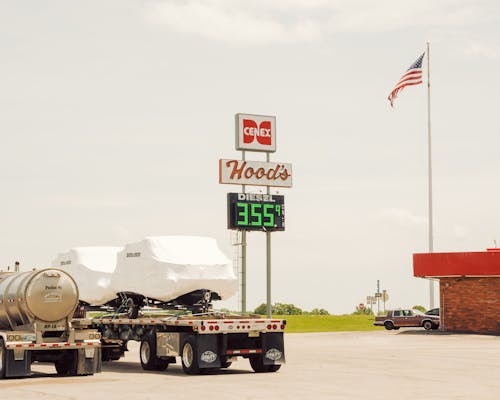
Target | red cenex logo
(256,132)
(262,132)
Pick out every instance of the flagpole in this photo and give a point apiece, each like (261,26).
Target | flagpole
(429,159)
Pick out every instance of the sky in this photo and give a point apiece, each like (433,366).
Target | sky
(114,115)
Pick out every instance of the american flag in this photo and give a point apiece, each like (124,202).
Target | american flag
(412,76)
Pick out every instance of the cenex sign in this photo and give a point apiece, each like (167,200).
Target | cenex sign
(255,132)
(256,173)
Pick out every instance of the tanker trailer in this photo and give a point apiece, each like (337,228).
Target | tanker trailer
(36,324)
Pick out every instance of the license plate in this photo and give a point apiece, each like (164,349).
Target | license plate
(254,334)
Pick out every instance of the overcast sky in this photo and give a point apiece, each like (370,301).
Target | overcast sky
(113,115)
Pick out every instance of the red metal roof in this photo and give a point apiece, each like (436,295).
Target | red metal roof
(484,263)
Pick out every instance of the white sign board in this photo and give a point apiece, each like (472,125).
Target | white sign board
(255,173)
(255,132)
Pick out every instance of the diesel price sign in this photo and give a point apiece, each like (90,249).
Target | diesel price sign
(255,212)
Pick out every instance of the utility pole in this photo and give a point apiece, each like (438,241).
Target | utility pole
(378,297)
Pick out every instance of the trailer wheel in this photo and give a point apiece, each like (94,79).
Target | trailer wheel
(147,353)
(188,356)
(3,357)
(68,365)
(132,308)
(257,364)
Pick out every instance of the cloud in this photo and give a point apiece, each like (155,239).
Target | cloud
(482,49)
(90,201)
(221,20)
(402,217)
(283,21)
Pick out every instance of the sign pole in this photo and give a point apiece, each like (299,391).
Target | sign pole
(243,259)
(268,260)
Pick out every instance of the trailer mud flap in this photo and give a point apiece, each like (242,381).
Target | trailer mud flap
(273,348)
(208,354)
(17,364)
(89,362)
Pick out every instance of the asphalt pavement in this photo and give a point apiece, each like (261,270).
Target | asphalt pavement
(407,364)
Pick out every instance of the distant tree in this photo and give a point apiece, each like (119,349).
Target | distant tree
(419,308)
(319,311)
(363,311)
(262,309)
(279,309)
(286,309)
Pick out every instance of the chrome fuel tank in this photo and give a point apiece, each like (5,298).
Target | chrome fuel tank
(48,295)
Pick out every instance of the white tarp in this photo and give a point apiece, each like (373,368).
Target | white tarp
(166,267)
(91,268)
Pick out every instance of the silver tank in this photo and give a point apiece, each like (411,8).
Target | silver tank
(48,295)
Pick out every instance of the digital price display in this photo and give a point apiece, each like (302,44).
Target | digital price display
(255,212)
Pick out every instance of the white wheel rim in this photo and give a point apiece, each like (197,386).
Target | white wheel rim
(187,355)
(145,352)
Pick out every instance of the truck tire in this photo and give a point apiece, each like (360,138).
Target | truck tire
(427,325)
(189,356)
(132,308)
(257,364)
(388,325)
(68,365)
(3,358)
(147,354)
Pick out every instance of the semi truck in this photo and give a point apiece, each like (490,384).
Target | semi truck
(202,342)
(36,314)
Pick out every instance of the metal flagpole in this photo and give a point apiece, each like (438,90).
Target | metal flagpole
(429,159)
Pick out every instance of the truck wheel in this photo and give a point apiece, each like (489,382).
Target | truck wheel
(389,325)
(427,325)
(3,354)
(257,364)
(189,357)
(68,365)
(147,353)
(132,308)
(225,364)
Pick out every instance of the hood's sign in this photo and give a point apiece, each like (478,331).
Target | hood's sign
(256,173)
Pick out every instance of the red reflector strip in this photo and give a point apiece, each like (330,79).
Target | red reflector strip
(211,322)
(229,322)
(244,351)
(276,320)
(49,345)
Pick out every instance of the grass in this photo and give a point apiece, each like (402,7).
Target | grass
(328,323)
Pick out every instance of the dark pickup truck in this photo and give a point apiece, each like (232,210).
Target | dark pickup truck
(407,318)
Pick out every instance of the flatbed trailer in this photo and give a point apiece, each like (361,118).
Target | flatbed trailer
(202,342)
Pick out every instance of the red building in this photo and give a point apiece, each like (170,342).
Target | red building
(469,288)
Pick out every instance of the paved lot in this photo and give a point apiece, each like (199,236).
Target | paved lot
(347,365)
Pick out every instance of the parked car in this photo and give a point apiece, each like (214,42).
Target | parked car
(433,311)
(407,318)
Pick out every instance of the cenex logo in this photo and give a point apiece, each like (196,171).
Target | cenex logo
(262,132)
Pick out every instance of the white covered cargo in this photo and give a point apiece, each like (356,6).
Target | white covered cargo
(91,268)
(166,267)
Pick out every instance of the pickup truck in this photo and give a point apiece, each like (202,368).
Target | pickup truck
(407,318)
